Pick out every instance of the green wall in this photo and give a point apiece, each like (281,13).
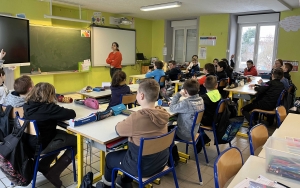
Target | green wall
(158,38)
(214,25)
(288,45)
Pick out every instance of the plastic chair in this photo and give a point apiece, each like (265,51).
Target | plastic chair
(227,165)
(32,129)
(162,81)
(280,114)
(129,99)
(220,109)
(150,146)
(258,136)
(267,112)
(195,138)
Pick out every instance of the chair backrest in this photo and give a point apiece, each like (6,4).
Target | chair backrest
(281,114)
(197,120)
(179,76)
(13,112)
(162,79)
(31,128)
(258,136)
(156,144)
(281,97)
(221,106)
(225,167)
(128,98)
(223,82)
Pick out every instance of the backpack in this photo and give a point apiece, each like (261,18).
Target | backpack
(87,181)
(222,124)
(14,161)
(5,123)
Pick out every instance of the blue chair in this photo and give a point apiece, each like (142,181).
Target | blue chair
(195,139)
(266,112)
(32,129)
(150,146)
(227,165)
(220,109)
(258,135)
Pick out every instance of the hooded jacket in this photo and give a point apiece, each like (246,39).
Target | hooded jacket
(13,99)
(211,101)
(144,123)
(46,116)
(116,93)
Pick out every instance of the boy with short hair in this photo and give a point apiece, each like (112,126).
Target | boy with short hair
(267,94)
(195,68)
(157,73)
(22,86)
(287,68)
(208,70)
(147,122)
(173,70)
(221,66)
(186,110)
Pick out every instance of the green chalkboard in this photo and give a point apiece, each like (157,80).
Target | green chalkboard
(56,49)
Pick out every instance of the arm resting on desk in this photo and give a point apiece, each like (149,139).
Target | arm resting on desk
(124,128)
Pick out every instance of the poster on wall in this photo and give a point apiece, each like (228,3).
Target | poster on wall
(208,40)
(294,63)
(202,53)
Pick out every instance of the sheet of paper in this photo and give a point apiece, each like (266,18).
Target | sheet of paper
(263,180)
(244,183)
(107,84)
(202,53)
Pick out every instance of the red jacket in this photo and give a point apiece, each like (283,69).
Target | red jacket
(114,59)
(252,71)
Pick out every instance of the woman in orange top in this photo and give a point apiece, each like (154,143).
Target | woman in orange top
(114,59)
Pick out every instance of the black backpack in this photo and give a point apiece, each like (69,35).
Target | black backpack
(5,123)
(15,162)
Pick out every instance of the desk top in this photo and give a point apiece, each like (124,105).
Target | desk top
(246,89)
(138,76)
(254,167)
(107,92)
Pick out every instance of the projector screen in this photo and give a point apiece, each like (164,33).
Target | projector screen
(102,39)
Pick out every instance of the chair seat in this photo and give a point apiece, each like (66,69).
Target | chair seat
(206,127)
(145,179)
(264,111)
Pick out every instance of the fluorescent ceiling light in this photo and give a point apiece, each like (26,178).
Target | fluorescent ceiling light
(66,19)
(161,6)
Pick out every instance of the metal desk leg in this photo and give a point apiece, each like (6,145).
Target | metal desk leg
(102,167)
(133,80)
(79,159)
(240,106)
(176,87)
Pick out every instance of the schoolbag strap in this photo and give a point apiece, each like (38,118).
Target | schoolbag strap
(8,110)
(22,129)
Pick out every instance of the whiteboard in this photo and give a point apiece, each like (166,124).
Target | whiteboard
(102,39)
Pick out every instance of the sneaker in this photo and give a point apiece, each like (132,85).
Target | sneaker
(121,184)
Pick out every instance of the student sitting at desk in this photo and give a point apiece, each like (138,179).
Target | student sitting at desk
(186,110)
(172,73)
(221,66)
(251,69)
(287,68)
(118,87)
(157,73)
(41,106)
(147,122)
(267,95)
(195,68)
(208,70)
(22,86)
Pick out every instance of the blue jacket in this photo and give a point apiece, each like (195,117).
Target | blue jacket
(157,73)
(116,93)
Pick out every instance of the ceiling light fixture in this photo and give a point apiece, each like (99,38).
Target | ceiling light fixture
(161,6)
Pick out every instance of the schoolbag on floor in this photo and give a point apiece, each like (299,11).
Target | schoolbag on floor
(14,161)
(5,126)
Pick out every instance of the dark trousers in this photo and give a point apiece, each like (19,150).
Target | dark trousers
(248,108)
(113,70)
(114,160)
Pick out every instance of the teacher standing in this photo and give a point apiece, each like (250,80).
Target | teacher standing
(114,59)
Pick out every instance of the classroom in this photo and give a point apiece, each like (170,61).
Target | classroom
(70,48)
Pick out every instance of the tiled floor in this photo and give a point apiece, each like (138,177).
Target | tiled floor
(186,173)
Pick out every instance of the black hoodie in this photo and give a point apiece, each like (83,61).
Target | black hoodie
(46,116)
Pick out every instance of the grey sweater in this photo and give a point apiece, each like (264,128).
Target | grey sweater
(14,100)
(186,110)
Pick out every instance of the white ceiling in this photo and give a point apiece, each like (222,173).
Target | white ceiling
(189,8)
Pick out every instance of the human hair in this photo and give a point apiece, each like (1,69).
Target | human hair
(159,64)
(250,61)
(195,56)
(173,62)
(195,59)
(278,73)
(222,64)
(2,73)
(211,82)
(191,86)
(22,84)
(42,92)
(210,68)
(118,77)
(216,59)
(226,61)
(150,88)
(280,61)
(117,45)
(289,67)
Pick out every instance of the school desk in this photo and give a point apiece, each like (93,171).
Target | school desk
(256,166)
(137,77)
(107,92)
(289,128)
(179,83)
(100,133)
